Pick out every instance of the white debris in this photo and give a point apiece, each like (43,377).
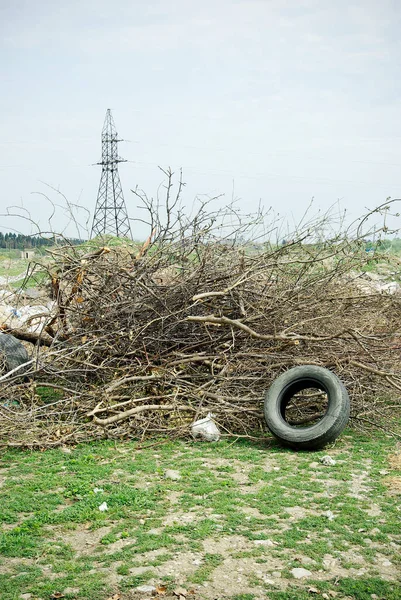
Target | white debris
(327,461)
(206,429)
(263,543)
(30,318)
(103,507)
(329,515)
(98,490)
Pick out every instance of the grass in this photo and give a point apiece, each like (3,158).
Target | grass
(53,536)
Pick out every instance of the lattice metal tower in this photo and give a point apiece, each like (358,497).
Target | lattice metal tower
(110,213)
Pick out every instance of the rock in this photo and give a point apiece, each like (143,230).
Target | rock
(300,573)
(392,287)
(373,276)
(276,574)
(173,475)
(386,563)
(145,589)
(327,461)
(26,596)
(263,543)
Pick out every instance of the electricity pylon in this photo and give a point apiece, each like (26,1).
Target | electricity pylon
(111,217)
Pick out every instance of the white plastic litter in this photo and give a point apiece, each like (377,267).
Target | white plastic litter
(98,490)
(206,429)
(103,507)
(30,318)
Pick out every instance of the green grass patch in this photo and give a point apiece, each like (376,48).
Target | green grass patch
(51,522)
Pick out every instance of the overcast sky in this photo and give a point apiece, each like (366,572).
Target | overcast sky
(281,100)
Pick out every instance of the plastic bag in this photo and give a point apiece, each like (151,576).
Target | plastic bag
(206,429)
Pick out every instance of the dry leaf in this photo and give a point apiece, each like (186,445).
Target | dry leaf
(313,590)
(332,593)
(56,595)
(114,597)
(180,592)
(161,590)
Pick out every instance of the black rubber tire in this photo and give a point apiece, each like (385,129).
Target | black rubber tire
(13,352)
(328,428)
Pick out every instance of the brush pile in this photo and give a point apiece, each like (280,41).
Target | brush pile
(146,340)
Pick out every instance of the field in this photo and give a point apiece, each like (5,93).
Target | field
(241,519)
(232,520)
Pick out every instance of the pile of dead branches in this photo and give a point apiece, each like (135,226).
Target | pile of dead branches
(147,338)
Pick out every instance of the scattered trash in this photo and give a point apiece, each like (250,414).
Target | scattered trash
(329,515)
(206,429)
(30,318)
(327,461)
(103,507)
(98,490)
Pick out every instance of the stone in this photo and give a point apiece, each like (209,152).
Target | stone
(386,563)
(327,461)
(26,596)
(263,543)
(300,573)
(173,475)
(145,589)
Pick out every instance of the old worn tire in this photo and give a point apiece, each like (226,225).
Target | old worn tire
(328,428)
(13,353)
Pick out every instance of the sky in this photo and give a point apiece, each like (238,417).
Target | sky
(265,101)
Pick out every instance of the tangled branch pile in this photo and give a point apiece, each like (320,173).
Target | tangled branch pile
(145,340)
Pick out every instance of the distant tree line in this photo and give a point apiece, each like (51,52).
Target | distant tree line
(18,241)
